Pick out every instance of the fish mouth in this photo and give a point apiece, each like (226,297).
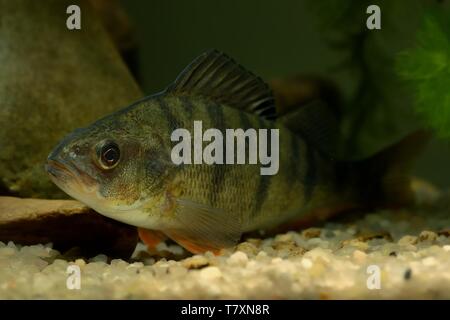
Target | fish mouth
(58,172)
(65,174)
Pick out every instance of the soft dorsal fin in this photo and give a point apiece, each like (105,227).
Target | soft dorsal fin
(315,122)
(216,76)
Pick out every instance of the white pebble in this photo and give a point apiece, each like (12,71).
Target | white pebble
(277,260)
(261,255)
(429,261)
(359,256)
(427,236)
(405,240)
(238,258)
(306,263)
(80,262)
(211,273)
(99,258)
(7,251)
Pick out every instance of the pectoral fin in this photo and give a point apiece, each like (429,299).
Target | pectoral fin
(200,228)
(151,237)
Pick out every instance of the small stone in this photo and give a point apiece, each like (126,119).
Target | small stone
(408,274)
(211,273)
(318,242)
(359,256)
(276,260)
(178,270)
(427,236)
(80,262)
(373,236)
(329,234)
(196,262)
(306,263)
(288,245)
(262,255)
(356,243)
(283,237)
(319,253)
(269,250)
(149,261)
(99,258)
(6,251)
(429,261)
(446,247)
(118,263)
(135,265)
(247,247)
(406,240)
(238,258)
(311,233)
(254,241)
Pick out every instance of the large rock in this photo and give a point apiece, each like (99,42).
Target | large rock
(53,80)
(121,30)
(65,223)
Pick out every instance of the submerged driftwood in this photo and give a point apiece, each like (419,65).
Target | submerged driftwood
(66,224)
(52,81)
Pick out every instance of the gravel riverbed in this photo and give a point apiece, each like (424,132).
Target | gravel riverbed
(409,248)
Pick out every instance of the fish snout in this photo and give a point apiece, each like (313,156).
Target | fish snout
(55,168)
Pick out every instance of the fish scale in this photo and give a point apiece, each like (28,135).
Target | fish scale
(216,185)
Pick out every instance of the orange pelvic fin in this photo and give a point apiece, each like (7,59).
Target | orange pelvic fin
(151,237)
(192,244)
(200,228)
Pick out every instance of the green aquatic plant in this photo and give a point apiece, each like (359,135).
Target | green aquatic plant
(427,68)
(377,104)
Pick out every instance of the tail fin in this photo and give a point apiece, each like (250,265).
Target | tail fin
(383,180)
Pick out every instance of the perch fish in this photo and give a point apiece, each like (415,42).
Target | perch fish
(121,165)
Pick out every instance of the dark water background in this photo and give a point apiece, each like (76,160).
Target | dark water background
(273,39)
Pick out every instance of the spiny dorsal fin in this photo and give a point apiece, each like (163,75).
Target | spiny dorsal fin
(316,123)
(216,76)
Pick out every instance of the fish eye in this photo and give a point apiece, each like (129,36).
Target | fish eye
(109,155)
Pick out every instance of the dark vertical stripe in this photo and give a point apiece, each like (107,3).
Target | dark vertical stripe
(188,107)
(292,174)
(172,120)
(261,193)
(244,120)
(215,113)
(264,180)
(245,123)
(310,175)
(311,172)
